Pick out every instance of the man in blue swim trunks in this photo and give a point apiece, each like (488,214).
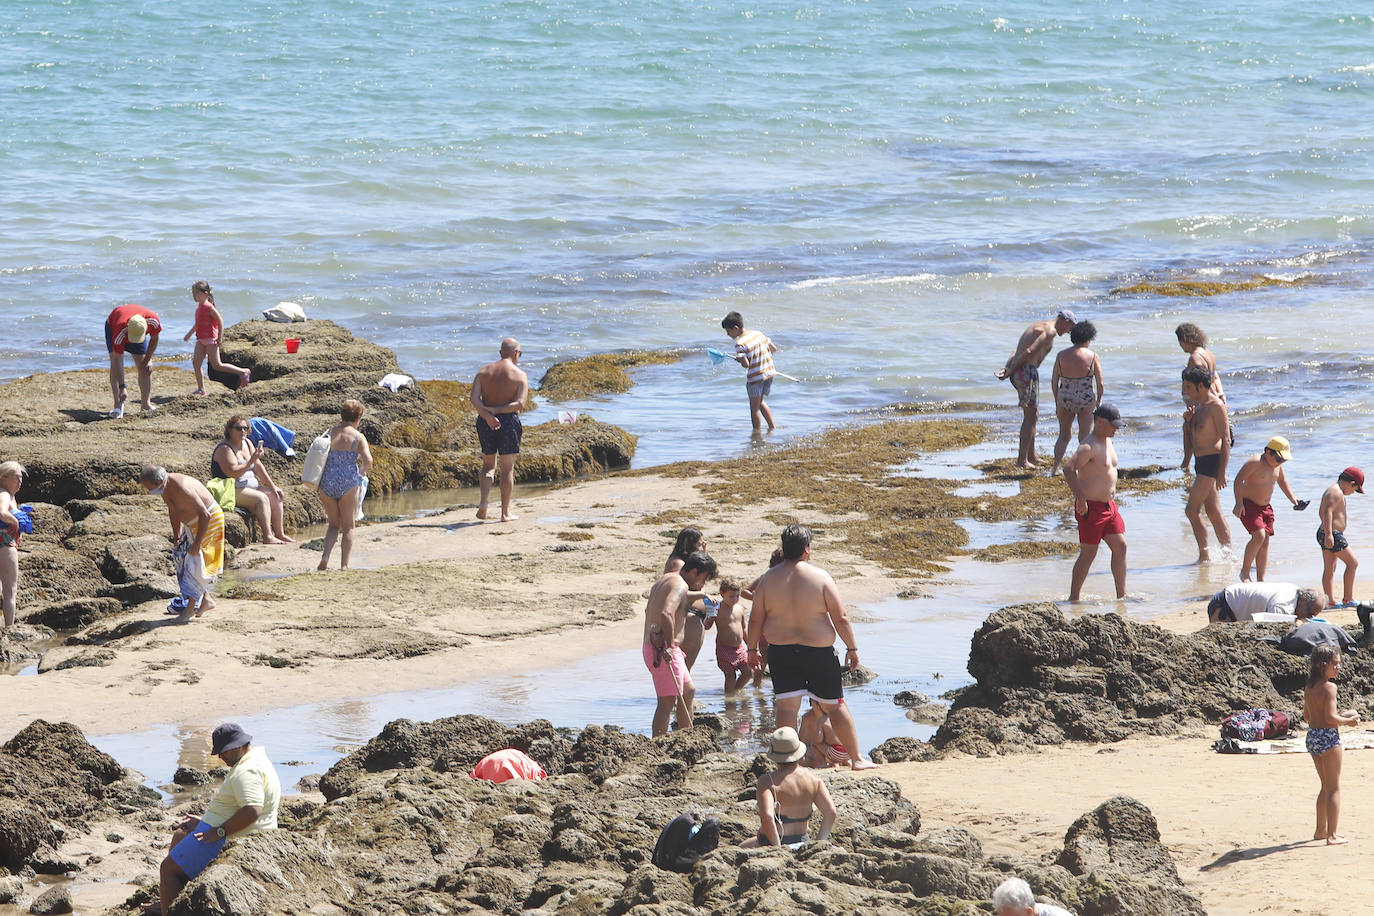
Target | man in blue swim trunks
(246,803)
(1211,435)
(798,609)
(499,393)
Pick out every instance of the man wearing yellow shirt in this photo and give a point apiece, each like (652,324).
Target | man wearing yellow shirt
(246,803)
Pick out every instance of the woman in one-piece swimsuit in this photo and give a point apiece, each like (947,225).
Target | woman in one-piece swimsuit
(340,484)
(1077,385)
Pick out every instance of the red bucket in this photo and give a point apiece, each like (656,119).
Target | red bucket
(293,344)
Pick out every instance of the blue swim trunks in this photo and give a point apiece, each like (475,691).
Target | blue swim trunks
(1321,740)
(1338,541)
(505,440)
(193,855)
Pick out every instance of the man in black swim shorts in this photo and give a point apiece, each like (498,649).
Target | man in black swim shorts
(1210,433)
(797,608)
(499,393)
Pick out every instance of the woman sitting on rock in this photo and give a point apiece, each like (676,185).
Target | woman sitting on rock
(340,484)
(788,794)
(11,476)
(237,458)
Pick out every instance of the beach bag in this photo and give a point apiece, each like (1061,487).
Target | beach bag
(508,764)
(315,459)
(685,840)
(362,495)
(223,489)
(1255,725)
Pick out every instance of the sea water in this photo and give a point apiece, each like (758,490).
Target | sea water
(891,191)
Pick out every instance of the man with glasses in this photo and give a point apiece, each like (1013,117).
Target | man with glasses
(1254,488)
(498,393)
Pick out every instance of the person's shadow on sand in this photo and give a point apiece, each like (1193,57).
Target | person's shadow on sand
(1254,852)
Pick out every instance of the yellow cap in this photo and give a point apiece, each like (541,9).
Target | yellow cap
(137,329)
(1279,445)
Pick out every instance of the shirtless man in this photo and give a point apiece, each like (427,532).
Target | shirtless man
(1023,368)
(1194,343)
(1211,437)
(664,618)
(798,609)
(1331,535)
(1254,489)
(197,531)
(499,393)
(1091,474)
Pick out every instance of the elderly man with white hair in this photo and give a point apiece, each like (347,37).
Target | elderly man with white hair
(1244,600)
(1013,897)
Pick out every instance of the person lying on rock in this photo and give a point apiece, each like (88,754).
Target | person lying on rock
(246,803)
(1013,897)
(787,796)
(1244,600)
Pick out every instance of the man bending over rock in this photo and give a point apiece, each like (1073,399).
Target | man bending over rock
(797,608)
(197,531)
(246,803)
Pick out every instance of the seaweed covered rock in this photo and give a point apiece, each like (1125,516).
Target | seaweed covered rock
(50,773)
(415,837)
(1043,679)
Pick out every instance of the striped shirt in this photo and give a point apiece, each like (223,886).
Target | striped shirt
(119,323)
(753,346)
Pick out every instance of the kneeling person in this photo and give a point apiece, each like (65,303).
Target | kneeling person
(246,803)
(1244,600)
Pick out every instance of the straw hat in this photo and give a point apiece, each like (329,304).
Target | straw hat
(785,747)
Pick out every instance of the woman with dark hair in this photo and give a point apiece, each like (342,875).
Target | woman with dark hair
(690,541)
(241,460)
(1077,385)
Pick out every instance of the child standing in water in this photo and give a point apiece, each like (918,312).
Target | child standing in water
(1324,737)
(208,328)
(731,658)
(1331,536)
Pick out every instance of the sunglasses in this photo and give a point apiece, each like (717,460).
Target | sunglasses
(243,429)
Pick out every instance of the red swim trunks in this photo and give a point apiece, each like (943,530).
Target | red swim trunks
(1101,518)
(1255,517)
(732,658)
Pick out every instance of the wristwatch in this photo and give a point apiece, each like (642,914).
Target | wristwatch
(219,832)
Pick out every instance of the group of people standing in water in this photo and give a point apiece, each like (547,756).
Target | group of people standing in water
(1207,437)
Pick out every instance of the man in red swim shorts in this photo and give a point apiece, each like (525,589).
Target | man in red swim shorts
(1091,475)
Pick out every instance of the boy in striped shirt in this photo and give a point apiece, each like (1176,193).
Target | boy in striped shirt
(754,351)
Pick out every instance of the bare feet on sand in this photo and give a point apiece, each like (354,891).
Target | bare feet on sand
(861,764)
(482,512)
(509,518)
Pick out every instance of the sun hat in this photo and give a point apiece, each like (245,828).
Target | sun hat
(137,329)
(1109,413)
(1279,446)
(227,737)
(1068,316)
(784,746)
(1355,476)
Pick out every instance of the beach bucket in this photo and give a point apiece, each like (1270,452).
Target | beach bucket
(293,344)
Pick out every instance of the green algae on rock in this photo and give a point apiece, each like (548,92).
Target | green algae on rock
(600,373)
(1200,288)
(1025,550)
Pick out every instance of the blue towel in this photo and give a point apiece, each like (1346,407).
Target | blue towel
(277,438)
(24,516)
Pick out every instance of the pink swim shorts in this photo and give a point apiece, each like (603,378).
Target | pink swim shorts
(731,658)
(671,676)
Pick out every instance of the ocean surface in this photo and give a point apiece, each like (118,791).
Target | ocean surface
(891,191)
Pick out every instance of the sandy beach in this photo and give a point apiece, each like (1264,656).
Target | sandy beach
(443,599)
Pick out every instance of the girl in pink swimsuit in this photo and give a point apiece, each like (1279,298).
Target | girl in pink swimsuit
(208,328)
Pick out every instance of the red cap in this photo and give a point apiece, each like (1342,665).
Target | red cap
(1355,476)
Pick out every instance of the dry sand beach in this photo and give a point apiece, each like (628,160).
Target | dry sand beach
(443,599)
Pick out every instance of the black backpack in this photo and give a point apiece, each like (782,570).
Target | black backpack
(685,840)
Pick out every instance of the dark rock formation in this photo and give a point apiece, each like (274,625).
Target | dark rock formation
(415,834)
(1043,679)
(50,773)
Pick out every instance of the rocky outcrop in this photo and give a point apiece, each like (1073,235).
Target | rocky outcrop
(98,535)
(50,774)
(408,831)
(1043,679)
